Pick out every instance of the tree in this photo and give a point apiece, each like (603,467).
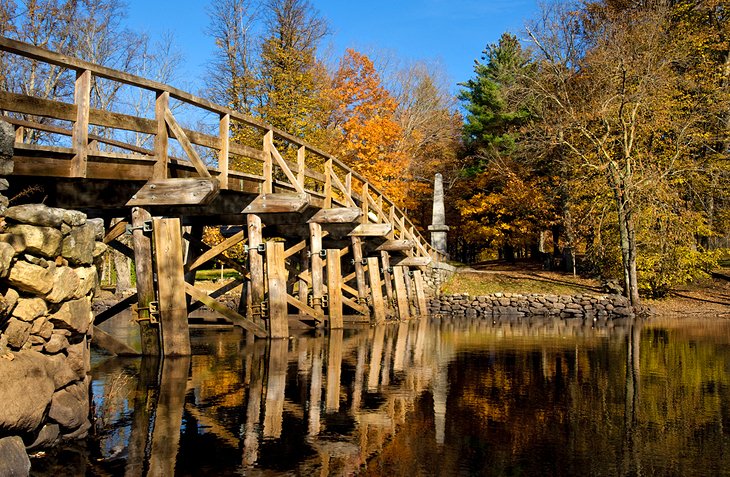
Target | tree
(367,133)
(291,79)
(231,77)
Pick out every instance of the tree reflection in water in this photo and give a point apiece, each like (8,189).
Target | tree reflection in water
(442,397)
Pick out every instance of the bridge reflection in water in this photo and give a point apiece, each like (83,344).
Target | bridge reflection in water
(443,397)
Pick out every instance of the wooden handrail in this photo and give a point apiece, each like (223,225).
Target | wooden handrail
(82,115)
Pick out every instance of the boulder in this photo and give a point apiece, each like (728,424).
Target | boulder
(16,241)
(7,148)
(39,240)
(74,315)
(78,246)
(65,284)
(28,309)
(74,218)
(14,458)
(23,411)
(47,436)
(87,281)
(36,214)
(79,358)
(98,226)
(31,278)
(17,333)
(7,252)
(70,406)
(60,370)
(56,344)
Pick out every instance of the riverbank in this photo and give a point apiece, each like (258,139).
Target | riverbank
(709,296)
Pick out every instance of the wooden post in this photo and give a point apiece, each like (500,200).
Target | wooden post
(171,287)
(315,245)
(168,416)
(80,134)
(275,388)
(328,184)
(365,206)
(142,246)
(276,277)
(224,133)
(161,138)
(334,288)
(268,186)
(376,290)
(315,389)
(255,267)
(387,276)
(420,293)
(334,370)
(410,293)
(301,165)
(400,293)
(304,265)
(376,358)
(362,288)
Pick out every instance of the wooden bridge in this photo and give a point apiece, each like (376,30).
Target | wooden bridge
(323,245)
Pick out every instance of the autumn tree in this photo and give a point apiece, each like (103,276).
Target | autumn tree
(367,133)
(291,78)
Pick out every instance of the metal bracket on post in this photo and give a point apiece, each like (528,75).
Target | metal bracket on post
(261,248)
(264,310)
(153,310)
(325,301)
(323,253)
(146,227)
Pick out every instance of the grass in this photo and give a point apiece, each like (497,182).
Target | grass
(215,274)
(484,283)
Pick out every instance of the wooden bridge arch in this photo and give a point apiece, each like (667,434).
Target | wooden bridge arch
(324,245)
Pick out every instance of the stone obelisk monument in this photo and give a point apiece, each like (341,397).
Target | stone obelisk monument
(438,227)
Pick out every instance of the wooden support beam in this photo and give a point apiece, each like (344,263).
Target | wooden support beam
(80,138)
(395,246)
(334,288)
(362,309)
(237,319)
(142,245)
(256,268)
(162,104)
(171,287)
(376,290)
(359,271)
(371,230)
(315,246)
(187,191)
(276,278)
(215,251)
(285,168)
(304,308)
(337,215)
(116,231)
(420,293)
(364,203)
(401,294)
(187,146)
(224,128)
(410,292)
(347,192)
(115,309)
(387,276)
(280,202)
(334,371)
(109,343)
(303,287)
(192,252)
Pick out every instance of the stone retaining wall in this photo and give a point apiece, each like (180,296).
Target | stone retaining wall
(515,304)
(436,275)
(47,281)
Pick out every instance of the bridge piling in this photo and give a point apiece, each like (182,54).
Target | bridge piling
(142,246)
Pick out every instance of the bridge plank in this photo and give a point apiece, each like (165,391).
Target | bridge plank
(337,215)
(371,230)
(376,290)
(334,288)
(412,262)
(175,192)
(277,203)
(276,278)
(304,308)
(395,245)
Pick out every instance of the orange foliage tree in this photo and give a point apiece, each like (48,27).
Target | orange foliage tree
(366,133)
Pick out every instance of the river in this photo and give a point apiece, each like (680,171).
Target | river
(449,396)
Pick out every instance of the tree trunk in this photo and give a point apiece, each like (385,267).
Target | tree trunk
(627,234)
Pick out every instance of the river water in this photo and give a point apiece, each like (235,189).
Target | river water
(450,396)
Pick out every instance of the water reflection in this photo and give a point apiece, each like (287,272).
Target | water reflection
(444,397)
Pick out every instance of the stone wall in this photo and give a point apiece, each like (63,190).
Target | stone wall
(436,275)
(515,304)
(47,281)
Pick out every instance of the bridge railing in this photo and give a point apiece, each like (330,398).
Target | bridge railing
(244,151)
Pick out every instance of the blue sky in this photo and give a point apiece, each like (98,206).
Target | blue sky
(452,33)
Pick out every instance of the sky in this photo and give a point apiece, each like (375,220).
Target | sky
(452,33)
